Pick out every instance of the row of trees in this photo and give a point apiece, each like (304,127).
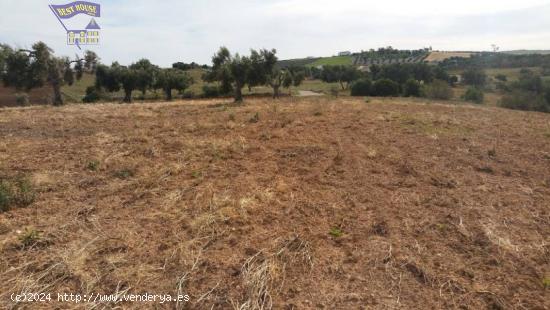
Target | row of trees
(29,69)
(26,69)
(437,89)
(497,60)
(416,79)
(233,72)
(141,75)
(392,53)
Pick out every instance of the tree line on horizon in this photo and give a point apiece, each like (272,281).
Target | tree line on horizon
(37,67)
(230,73)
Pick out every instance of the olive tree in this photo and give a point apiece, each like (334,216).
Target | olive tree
(28,69)
(129,80)
(230,71)
(106,77)
(117,77)
(138,76)
(5,51)
(169,79)
(285,78)
(145,73)
(344,75)
(297,77)
(259,68)
(277,79)
(234,72)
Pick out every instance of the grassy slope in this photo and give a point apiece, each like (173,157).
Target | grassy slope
(332,61)
(76,91)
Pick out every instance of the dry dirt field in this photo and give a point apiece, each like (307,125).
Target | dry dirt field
(307,203)
(440,56)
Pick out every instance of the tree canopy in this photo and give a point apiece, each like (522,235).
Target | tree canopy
(234,72)
(344,75)
(27,69)
(169,79)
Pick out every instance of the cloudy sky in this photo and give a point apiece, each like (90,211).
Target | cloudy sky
(182,30)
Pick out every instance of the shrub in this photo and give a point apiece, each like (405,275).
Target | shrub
(22,99)
(155,96)
(361,88)
(453,80)
(475,77)
(474,94)
(385,88)
(29,237)
(25,194)
(92,95)
(502,86)
(211,91)
(501,77)
(18,193)
(529,81)
(93,165)
(527,101)
(124,174)
(336,232)
(412,88)
(439,90)
(188,94)
(5,197)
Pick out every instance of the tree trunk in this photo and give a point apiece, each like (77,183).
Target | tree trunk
(168,93)
(275,92)
(238,93)
(127,95)
(342,85)
(57,98)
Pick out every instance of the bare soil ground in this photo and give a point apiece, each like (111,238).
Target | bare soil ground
(440,56)
(306,203)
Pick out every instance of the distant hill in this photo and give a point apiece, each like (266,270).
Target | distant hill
(298,62)
(436,57)
(375,57)
(527,52)
(332,61)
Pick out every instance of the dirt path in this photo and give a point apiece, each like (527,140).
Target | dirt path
(308,93)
